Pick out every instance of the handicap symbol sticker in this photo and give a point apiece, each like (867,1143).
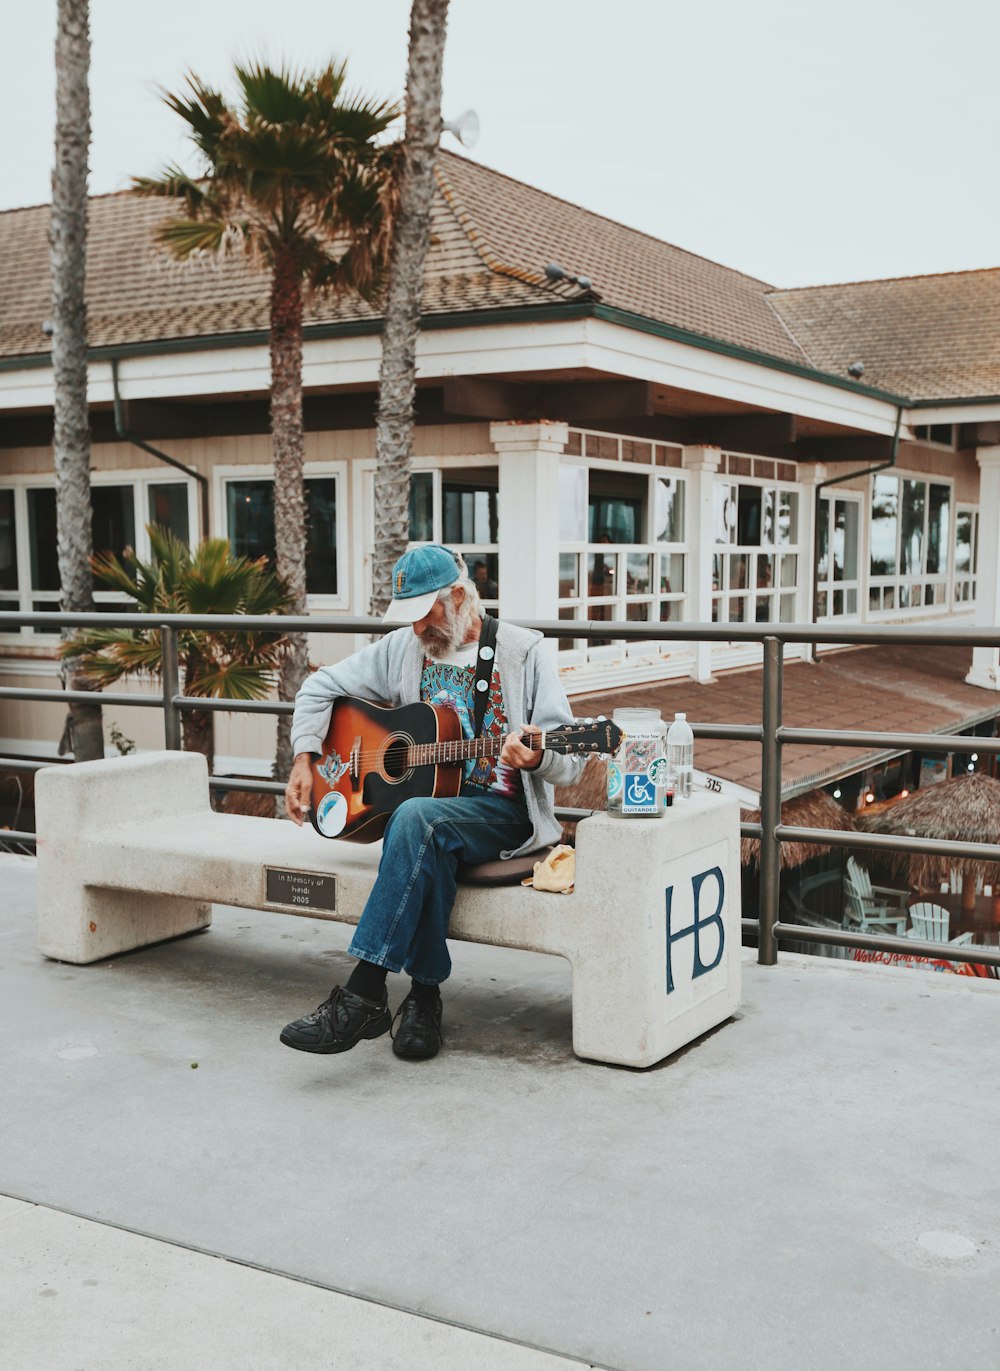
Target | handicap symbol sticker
(638,793)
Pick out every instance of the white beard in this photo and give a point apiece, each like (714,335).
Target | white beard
(443,641)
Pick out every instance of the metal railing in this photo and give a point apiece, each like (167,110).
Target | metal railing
(771,734)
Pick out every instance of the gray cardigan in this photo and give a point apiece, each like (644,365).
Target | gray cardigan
(388,672)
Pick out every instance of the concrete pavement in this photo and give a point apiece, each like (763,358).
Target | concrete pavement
(812,1185)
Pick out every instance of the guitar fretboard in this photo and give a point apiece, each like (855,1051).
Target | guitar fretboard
(459,750)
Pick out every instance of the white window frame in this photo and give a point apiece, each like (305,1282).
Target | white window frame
(828,585)
(620,599)
(140,481)
(438,468)
(751,594)
(225,475)
(965,579)
(897,582)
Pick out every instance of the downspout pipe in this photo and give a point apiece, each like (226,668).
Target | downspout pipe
(127,437)
(837,480)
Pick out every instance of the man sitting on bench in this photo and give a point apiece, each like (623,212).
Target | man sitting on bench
(504,807)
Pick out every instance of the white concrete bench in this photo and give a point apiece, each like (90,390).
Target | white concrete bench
(130,853)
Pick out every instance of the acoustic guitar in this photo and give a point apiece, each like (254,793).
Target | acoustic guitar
(375,757)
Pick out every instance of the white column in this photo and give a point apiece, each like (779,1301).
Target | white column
(528,516)
(986,660)
(701,464)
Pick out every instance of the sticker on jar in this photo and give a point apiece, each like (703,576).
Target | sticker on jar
(659,771)
(614,781)
(638,793)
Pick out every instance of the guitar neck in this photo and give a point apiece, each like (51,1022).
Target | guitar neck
(462,750)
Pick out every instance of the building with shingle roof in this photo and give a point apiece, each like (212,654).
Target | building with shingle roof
(616,428)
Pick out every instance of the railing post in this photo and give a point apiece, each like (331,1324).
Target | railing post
(171,687)
(770,803)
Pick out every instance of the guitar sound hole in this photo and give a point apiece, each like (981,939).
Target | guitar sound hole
(394,759)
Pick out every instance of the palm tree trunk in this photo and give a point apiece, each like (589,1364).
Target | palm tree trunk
(289,489)
(71,438)
(397,374)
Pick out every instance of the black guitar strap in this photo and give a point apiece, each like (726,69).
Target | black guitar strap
(484,670)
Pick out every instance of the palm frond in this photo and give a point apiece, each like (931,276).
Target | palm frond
(275,96)
(186,237)
(173,183)
(234,681)
(206,112)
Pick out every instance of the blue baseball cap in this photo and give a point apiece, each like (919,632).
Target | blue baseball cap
(416,579)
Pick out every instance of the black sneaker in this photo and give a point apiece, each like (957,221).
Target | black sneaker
(338,1023)
(419,1033)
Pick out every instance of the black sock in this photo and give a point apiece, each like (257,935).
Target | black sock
(367,980)
(425,994)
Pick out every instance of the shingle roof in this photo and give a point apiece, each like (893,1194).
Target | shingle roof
(491,238)
(927,337)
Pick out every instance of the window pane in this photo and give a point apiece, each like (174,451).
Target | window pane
(638,578)
(845,541)
(748,516)
(8,542)
(669,511)
(885,508)
(672,573)
(601,573)
(823,550)
(963,541)
(486,576)
(569,584)
(321,536)
(168,507)
(250,518)
(911,547)
(765,571)
(567,644)
(617,507)
(112,519)
(938,518)
(788,517)
(789,570)
(724,512)
(572,504)
(469,512)
(788,609)
(42,540)
(421,507)
(767,535)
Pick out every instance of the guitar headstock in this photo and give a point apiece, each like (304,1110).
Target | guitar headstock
(599,736)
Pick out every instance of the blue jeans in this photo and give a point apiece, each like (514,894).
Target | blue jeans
(405,921)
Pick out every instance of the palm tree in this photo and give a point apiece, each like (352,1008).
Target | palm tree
(397,373)
(71,437)
(228,664)
(294,177)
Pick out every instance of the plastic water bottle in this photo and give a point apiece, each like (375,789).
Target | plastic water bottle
(680,754)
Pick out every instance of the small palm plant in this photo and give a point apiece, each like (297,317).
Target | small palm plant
(226,663)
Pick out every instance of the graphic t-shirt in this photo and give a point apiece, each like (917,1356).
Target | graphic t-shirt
(450,681)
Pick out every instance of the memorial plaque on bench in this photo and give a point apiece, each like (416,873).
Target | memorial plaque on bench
(300,889)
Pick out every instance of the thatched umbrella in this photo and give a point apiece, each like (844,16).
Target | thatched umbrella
(814,809)
(965,809)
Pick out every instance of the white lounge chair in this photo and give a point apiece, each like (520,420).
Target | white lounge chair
(931,923)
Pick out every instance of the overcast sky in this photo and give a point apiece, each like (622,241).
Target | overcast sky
(799,140)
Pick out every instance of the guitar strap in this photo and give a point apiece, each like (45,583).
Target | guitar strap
(484,670)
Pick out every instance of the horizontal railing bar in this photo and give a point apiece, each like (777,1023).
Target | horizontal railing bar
(12,835)
(751,831)
(885,842)
(254,787)
(29,764)
(750,733)
(83,697)
(232,706)
(912,947)
(624,630)
(906,742)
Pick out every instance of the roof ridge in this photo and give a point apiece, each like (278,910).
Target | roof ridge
(47,204)
(606,218)
(881,280)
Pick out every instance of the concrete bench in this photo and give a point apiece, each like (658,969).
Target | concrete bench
(130,853)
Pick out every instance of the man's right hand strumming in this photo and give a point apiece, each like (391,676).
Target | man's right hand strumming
(298,791)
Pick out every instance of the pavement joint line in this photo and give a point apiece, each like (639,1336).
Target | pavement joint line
(318,1285)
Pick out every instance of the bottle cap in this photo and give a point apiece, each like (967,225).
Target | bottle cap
(680,716)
